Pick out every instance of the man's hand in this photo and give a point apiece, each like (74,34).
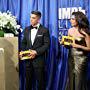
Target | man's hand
(20,55)
(26,54)
(33,54)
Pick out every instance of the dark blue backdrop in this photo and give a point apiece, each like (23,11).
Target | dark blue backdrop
(56,63)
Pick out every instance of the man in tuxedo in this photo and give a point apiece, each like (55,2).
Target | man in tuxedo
(37,39)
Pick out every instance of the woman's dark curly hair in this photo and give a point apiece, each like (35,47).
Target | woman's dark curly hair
(82,21)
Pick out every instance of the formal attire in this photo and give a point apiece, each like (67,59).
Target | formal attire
(37,39)
(77,64)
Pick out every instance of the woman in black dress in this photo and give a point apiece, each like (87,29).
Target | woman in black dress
(78,51)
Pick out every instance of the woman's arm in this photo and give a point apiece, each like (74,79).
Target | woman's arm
(87,40)
(80,46)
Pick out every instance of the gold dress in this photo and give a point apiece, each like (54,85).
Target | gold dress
(77,67)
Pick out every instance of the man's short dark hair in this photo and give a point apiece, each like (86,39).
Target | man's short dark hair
(38,13)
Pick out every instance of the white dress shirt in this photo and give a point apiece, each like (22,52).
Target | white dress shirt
(34,32)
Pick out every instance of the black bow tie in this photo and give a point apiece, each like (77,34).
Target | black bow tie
(33,27)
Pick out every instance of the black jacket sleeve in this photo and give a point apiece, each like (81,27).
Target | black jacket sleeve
(24,41)
(46,43)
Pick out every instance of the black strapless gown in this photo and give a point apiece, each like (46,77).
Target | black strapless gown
(77,65)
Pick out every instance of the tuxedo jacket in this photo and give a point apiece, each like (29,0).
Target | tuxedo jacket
(41,44)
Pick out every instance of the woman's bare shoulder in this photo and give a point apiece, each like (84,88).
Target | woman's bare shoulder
(70,31)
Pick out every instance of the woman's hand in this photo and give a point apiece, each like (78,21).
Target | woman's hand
(61,42)
(74,45)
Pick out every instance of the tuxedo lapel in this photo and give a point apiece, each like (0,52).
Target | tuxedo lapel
(29,36)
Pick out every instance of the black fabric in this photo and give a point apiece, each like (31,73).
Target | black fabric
(77,72)
(35,67)
(34,27)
